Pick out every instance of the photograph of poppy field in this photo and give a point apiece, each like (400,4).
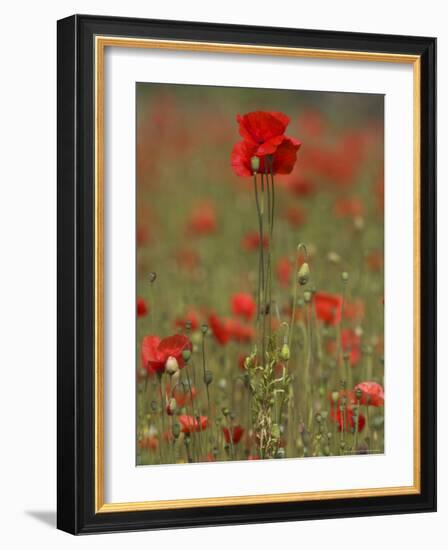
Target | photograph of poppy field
(259,273)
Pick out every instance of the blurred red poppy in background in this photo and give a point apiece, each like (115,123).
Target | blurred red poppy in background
(149,443)
(202,220)
(191,424)
(350,342)
(182,394)
(187,259)
(348,207)
(328,307)
(283,271)
(301,186)
(243,304)
(251,241)
(155,351)
(295,216)
(233,434)
(372,393)
(191,317)
(239,331)
(354,310)
(142,308)
(374,260)
(219,329)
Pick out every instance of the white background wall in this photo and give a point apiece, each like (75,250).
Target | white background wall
(28,271)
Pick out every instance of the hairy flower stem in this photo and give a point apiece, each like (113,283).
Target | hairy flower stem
(195,449)
(261,298)
(358,410)
(162,414)
(205,382)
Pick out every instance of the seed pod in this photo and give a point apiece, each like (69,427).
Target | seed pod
(255,164)
(171,365)
(344,276)
(176,430)
(304,274)
(152,276)
(204,328)
(358,393)
(186,354)
(285,353)
(335,396)
(208,377)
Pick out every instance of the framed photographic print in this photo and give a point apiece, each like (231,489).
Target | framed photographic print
(246,274)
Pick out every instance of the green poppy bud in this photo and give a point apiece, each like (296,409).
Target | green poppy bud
(307,295)
(335,396)
(255,164)
(204,329)
(275,431)
(304,274)
(186,354)
(285,354)
(152,276)
(344,276)
(358,393)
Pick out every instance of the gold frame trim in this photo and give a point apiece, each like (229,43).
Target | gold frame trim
(101,42)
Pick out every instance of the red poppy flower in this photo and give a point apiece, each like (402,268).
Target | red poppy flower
(348,207)
(374,260)
(328,307)
(350,342)
(220,329)
(283,159)
(234,434)
(338,417)
(354,311)
(191,317)
(142,308)
(149,443)
(251,241)
(203,219)
(191,424)
(243,304)
(372,393)
(253,457)
(263,128)
(181,394)
(263,135)
(155,351)
(240,332)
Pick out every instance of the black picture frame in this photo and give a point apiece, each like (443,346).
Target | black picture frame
(76,196)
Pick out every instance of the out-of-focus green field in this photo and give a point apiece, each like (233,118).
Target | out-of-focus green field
(195,222)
